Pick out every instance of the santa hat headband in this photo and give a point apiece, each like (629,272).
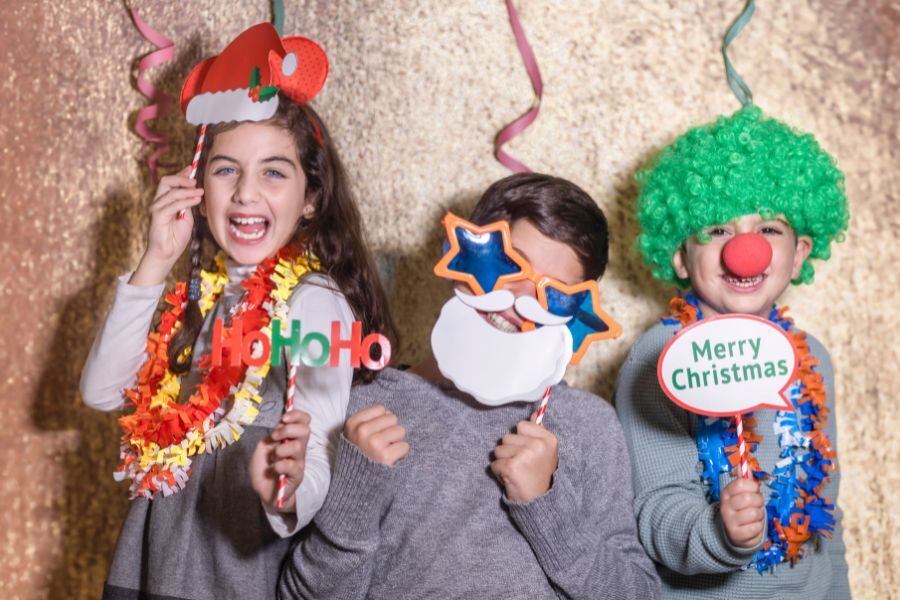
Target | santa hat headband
(242,83)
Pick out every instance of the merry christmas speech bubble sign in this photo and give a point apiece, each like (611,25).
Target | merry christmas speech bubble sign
(728,365)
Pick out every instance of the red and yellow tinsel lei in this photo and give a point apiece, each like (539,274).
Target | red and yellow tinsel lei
(161,435)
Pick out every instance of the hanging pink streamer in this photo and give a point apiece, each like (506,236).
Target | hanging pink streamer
(160,102)
(522,123)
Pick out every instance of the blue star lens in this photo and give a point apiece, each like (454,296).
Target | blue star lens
(580,307)
(563,304)
(482,256)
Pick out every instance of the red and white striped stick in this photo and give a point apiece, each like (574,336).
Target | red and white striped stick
(196,162)
(288,406)
(543,407)
(742,448)
(197,151)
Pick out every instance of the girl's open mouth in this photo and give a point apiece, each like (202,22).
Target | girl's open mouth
(247,229)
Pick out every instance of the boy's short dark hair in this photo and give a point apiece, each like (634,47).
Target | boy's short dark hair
(559,209)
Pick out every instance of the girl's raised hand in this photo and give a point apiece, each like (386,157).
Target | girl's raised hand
(169,235)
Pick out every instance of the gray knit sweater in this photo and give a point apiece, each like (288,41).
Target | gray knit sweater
(437,524)
(681,531)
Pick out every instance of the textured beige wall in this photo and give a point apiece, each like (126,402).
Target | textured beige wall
(416,93)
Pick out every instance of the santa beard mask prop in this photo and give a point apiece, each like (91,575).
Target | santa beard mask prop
(494,366)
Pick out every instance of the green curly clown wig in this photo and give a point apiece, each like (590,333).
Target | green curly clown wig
(739,165)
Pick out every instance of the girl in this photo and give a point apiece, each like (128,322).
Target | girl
(276,206)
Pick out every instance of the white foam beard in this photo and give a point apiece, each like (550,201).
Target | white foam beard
(494,366)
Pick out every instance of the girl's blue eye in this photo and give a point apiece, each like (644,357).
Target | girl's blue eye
(274,173)
(224,171)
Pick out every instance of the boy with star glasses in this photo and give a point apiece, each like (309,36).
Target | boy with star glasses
(424,501)
(483,258)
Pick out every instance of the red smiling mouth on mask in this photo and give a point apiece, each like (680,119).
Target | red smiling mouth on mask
(510,314)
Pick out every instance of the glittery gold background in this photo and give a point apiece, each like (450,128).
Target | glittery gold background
(416,93)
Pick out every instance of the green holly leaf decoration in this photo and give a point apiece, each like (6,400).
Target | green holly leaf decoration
(267,92)
(254,77)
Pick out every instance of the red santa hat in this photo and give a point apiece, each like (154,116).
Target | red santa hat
(242,83)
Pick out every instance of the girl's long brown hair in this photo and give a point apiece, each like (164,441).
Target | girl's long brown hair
(333,233)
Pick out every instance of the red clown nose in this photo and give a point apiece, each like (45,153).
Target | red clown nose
(747,254)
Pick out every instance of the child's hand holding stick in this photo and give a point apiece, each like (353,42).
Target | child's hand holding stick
(169,235)
(282,454)
(742,512)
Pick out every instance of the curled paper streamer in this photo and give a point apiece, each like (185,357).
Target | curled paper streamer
(278,16)
(740,89)
(159,101)
(522,123)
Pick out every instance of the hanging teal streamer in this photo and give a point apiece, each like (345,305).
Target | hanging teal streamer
(737,85)
(278,16)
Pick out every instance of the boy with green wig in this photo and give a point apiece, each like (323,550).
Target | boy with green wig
(733,212)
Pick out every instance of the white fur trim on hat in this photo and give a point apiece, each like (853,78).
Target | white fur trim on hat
(233,105)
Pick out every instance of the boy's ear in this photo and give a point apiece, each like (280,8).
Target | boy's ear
(801,253)
(679,262)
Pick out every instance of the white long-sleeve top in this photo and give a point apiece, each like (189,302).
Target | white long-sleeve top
(119,350)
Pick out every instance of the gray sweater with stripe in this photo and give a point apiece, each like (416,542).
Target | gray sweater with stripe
(679,528)
(437,524)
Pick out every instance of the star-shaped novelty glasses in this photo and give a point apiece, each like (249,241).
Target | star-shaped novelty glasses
(483,258)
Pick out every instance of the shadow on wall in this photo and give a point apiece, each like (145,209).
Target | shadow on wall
(634,280)
(92,506)
(415,293)
(626,263)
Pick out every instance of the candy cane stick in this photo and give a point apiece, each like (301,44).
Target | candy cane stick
(288,406)
(742,448)
(196,161)
(543,407)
